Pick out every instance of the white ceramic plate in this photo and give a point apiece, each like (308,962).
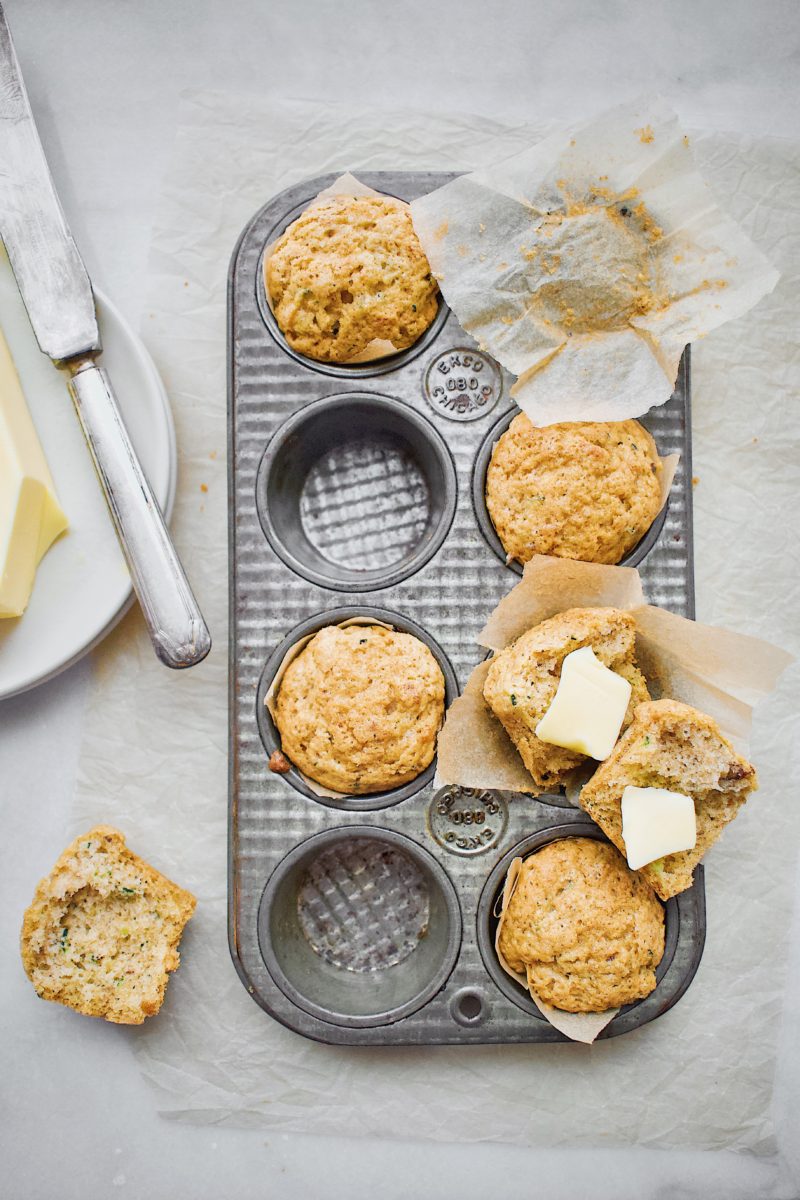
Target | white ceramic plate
(82,585)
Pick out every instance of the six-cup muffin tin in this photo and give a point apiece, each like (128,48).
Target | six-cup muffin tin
(358,491)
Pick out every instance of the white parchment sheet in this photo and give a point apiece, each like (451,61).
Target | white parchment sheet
(154,760)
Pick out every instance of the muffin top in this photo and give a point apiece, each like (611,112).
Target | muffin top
(586,930)
(584,490)
(348,271)
(358,710)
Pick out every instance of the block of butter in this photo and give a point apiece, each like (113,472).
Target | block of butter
(30,516)
(587,711)
(656,822)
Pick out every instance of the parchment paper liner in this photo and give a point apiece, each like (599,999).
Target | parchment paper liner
(579,1027)
(721,673)
(272,691)
(528,259)
(345,185)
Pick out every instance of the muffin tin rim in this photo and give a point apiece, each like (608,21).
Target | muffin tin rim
(422,858)
(378,579)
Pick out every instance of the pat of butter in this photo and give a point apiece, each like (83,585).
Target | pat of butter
(588,709)
(30,516)
(656,822)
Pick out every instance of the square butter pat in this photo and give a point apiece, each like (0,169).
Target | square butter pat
(656,822)
(588,709)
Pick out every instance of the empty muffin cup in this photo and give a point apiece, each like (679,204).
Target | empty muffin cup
(356,492)
(359,926)
(486,525)
(269,732)
(489,908)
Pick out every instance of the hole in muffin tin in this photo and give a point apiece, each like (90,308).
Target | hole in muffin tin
(489,906)
(482,460)
(359,926)
(378,366)
(356,492)
(271,738)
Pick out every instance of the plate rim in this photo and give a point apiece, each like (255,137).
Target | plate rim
(151,371)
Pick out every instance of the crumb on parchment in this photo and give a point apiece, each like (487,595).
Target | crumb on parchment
(645,134)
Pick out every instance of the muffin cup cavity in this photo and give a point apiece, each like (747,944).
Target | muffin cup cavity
(489,907)
(356,492)
(347,370)
(479,471)
(359,926)
(270,736)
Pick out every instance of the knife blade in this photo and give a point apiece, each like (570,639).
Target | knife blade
(57,293)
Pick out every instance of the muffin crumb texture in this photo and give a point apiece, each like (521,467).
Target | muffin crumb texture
(103,929)
(523,679)
(347,272)
(674,746)
(584,490)
(359,709)
(586,931)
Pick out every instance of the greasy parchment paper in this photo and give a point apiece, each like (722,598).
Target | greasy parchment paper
(345,185)
(154,756)
(722,673)
(588,261)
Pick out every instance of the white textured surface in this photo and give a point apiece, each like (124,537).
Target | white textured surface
(105,84)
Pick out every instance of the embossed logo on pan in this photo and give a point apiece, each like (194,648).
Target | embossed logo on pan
(467,820)
(463,385)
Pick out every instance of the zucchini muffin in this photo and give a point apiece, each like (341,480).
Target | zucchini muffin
(348,271)
(359,709)
(102,931)
(671,745)
(523,679)
(585,490)
(586,931)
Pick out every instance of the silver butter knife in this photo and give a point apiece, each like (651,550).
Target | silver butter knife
(58,296)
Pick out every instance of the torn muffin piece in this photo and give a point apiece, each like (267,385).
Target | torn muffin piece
(673,746)
(523,679)
(102,931)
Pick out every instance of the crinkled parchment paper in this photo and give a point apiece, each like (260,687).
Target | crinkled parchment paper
(154,759)
(724,674)
(587,262)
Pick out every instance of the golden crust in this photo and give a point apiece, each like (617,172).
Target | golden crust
(102,931)
(359,708)
(671,745)
(347,271)
(586,930)
(523,680)
(583,490)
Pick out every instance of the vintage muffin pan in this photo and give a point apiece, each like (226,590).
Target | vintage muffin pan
(358,491)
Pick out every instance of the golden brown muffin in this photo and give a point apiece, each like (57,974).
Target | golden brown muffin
(586,930)
(360,707)
(347,271)
(671,745)
(523,680)
(585,490)
(102,931)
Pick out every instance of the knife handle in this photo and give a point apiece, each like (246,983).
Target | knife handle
(179,634)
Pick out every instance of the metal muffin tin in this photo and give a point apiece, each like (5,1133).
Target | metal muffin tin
(357,490)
